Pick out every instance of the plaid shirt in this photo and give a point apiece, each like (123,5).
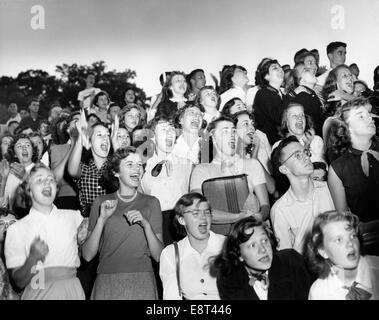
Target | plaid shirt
(89,185)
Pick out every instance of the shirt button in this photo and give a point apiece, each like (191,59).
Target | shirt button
(202,280)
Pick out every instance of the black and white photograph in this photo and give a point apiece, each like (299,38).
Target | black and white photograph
(204,150)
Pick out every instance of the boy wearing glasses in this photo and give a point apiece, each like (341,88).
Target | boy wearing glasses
(293,214)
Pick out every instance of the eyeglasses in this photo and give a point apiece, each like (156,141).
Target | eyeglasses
(195,213)
(299,155)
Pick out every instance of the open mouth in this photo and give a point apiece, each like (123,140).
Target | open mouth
(203,227)
(195,123)
(265,259)
(299,125)
(104,147)
(47,192)
(135,177)
(25,154)
(169,142)
(352,255)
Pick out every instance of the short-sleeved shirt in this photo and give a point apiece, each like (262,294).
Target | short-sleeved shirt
(90,185)
(123,247)
(362,192)
(58,230)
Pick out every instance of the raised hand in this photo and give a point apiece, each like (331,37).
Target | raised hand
(38,249)
(114,129)
(135,216)
(4,168)
(18,170)
(107,208)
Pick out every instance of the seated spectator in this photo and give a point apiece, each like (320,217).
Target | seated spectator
(37,141)
(193,217)
(92,119)
(227,163)
(333,253)
(126,229)
(12,126)
(320,171)
(44,131)
(34,118)
(166,174)
(353,177)
(55,112)
(296,123)
(51,237)
(293,214)
(250,267)
(269,100)
(113,110)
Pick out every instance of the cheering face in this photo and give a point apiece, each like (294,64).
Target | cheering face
(24,150)
(90,80)
(296,160)
(245,129)
(209,98)
(191,120)
(131,170)
(5,142)
(178,84)
(165,136)
(359,88)
(360,122)
(296,120)
(37,142)
(224,138)
(256,252)
(197,220)
(129,96)
(132,119)
(309,77)
(240,78)
(311,63)
(275,74)
(238,106)
(43,187)
(123,138)
(345,80)
(100,142)
(340,245)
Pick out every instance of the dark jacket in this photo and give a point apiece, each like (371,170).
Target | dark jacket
(268,108)
(288,279)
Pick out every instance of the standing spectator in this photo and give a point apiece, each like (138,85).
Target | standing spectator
(45,241)
(126,228)
(86,96)
(196,81)
(210,100)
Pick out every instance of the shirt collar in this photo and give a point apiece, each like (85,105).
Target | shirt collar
(212,246)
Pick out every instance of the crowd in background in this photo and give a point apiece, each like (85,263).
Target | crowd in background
(106,200)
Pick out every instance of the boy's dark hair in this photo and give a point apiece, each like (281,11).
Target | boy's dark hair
(331,47)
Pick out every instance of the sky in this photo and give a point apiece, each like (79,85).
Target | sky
(153,36)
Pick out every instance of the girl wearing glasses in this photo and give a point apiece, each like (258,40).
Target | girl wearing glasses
(250,268)
(186,275)
(353,178)
(126,230)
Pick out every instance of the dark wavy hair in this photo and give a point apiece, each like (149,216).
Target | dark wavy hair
(181,205)
(257,76)
(226,77)
(263,71)
(229,256)
(315,261)
(330,86)
(166,91)
(226,110)
(98,95)
(283,130)
(11,154)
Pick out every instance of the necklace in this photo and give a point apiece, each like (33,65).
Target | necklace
(127,198)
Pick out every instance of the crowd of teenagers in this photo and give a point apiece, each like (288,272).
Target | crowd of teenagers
(105,200)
